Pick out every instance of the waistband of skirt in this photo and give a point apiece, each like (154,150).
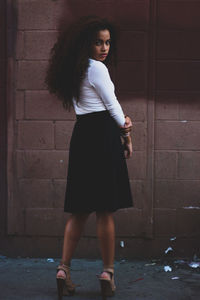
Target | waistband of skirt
(96,114)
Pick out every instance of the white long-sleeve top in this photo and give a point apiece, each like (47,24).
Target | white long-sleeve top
(97,93)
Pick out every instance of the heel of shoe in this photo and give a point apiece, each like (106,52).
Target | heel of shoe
(60,286)
(107,283)
(106,289)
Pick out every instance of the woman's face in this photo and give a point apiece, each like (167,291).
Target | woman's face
(101,45)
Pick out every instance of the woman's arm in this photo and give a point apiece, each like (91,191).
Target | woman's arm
(99,78)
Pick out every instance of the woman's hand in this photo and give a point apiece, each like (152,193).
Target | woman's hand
(128,147)
(127,126)
(128,122)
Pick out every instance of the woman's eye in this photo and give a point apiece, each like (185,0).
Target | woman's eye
(98,43)
(107,42)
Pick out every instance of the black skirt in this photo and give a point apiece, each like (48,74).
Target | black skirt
(97,177)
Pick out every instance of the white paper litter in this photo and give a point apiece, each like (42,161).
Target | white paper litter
(168,249)
(122,244)
(194,264)
(167,268)
(50,259)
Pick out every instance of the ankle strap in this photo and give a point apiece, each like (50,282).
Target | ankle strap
(108,269)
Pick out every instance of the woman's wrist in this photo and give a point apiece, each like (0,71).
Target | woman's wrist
(125,131)
(127,139)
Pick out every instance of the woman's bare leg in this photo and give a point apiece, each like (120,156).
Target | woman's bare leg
(106,235)
(73,230)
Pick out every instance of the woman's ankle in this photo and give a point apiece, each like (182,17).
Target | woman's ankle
(109,267)
(65,263)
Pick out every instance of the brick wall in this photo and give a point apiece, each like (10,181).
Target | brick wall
(177,119)
(157,83)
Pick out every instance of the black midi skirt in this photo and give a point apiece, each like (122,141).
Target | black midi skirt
(97,177)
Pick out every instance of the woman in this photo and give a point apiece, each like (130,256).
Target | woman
(97,179)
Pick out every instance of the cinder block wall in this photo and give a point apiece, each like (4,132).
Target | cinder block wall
(157,83)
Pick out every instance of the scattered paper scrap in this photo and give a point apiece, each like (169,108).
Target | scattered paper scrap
(50,259)
(122,244)
(167,268)
(168,249)
(194,265)
(152,264)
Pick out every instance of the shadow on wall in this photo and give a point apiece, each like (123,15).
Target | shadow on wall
(133,14)
(162,41)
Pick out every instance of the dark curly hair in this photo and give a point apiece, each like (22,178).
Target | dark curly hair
(69,57)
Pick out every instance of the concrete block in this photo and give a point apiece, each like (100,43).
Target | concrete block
(31,75)
(42,193)
(137,165)
(35,135)
(177,135)
(165,164)
(132,14)
(20,45)
(42,164)
(139,136)
(134,105)
(178,75)
(136,45)
(178,45)
(59,187)
(129,222)
(44,221)
(138,193)
(178,14)
(36,14)
(164,222)
(188,222)
(41,105)
(189,108)
(39,43)
(176,193)
(130,76)
(166,108)
(74,9)
(19,105)
(188,165)
(63,132)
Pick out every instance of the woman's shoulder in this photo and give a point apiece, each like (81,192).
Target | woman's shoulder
(97,67)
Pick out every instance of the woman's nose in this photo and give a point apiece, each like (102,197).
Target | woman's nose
(104,47)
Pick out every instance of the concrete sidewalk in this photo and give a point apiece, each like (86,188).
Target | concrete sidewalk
(34,279)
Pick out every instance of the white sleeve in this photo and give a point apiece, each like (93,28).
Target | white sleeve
(99,78)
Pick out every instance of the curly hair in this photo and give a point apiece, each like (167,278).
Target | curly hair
(69,57)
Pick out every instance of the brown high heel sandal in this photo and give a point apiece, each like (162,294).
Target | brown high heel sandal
(65,287)
(107,284)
